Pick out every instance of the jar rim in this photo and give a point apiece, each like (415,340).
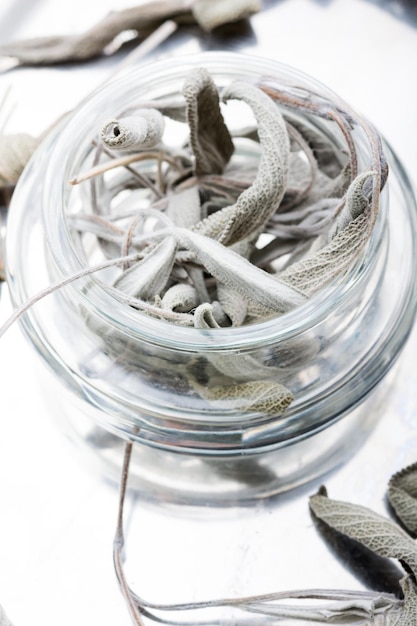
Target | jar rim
(95,294)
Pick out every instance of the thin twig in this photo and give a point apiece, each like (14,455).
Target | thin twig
(119,541)
(122,162)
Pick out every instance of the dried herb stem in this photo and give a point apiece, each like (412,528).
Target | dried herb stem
(342,605)
(123,162)
(118,542)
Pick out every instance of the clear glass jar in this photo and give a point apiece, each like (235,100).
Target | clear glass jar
(119,374)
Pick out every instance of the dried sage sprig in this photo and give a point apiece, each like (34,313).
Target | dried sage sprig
(80,47)
(143,19)
(184,226)
(364,608)
(382,537)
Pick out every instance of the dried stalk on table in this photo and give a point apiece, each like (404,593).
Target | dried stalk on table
(142,19)
(379,535)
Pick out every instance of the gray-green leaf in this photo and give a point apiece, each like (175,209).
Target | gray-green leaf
(256,204)
(402,495)
(368,528)
(148,277)
(406,615)
(210,139)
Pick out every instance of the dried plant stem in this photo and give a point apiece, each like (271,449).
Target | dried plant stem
(80,47)
(144,180)
(122,162)
(118,541)
(17,314)
(356,604)
(155,39)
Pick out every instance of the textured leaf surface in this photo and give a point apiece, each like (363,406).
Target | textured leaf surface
(210,140)
(368,528)
(407,614)
(402,494)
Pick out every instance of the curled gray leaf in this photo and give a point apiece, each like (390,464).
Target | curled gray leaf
(210,139)
(402,495)
(135,132)
(256,204)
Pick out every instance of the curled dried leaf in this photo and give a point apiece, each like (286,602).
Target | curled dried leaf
(15,152)
(402,495)
(356,202)
(256,204)
(136,132)
(180,297)
(210,139)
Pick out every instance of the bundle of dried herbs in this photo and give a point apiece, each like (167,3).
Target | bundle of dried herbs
(224,223)
(233,225)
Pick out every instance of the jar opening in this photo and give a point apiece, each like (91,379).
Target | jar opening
(103,300)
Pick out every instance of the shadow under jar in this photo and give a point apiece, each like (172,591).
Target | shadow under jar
(119,374)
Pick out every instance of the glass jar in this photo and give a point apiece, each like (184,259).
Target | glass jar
(120,375)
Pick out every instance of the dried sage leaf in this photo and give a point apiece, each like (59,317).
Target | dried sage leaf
(261,396)
(316,271)
(184,207)
(406,615)
(91,43)
(180,297)
(204,317)
(15,152)
(402,495)
(233,304)
(210,140)
(368,528)
(136,132)
(148,277)
(237,273)
(210,14)
(356,203)
(255,205)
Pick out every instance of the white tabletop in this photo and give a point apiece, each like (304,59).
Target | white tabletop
(57,516)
